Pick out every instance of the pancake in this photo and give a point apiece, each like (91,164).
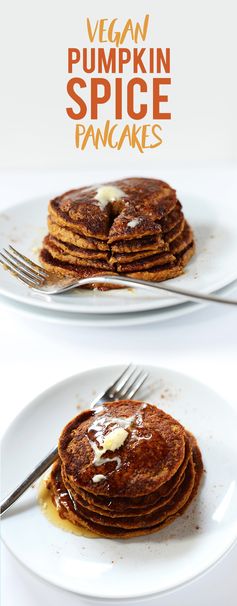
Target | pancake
(129,257)
(126,227)
(71,237)
(132,227)
(129,522)
(75,251)
(164,452)
(81,210)
(73,210)
(125,506)
(140,244)
(185,256)
(58,253)
(125,503)
(172,219)
(66,269)
(125,513)
(158,514)
(147,262)
(157,274)
(182,241)
(171,235)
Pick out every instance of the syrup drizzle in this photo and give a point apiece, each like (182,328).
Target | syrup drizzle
(51,512)
(99,425)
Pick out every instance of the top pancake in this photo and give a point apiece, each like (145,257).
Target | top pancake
(141,470)
(147,200)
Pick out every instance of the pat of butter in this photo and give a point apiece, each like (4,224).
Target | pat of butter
(134,222)
(112,441)
(115,439)
(108,193)
(98,478)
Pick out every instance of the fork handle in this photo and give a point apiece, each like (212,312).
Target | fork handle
(34,475)
(125,281)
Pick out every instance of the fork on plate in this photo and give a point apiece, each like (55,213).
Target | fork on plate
(125,387)
(48,283)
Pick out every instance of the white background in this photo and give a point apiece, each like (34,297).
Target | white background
(35,36)
(35,355)
(36,136)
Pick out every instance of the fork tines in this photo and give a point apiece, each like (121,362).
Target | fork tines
(128,383)
(22,267)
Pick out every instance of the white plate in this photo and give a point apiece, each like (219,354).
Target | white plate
(139,567)
(103,320)
(115,320)
(214,265)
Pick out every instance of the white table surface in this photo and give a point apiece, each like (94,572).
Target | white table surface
(35,355)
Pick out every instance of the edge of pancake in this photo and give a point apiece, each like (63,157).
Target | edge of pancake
(107,532)
(61,255)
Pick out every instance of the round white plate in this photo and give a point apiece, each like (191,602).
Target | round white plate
(139,567)
(109,320)
(103,320)
(213,266)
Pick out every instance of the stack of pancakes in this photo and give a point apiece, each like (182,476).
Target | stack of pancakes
(139,230)
(134,486)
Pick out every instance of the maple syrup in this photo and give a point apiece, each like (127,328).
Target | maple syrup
(52,514)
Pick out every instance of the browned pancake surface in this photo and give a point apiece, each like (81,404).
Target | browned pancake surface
(142,470)
(130,506)
(79,209)
(70,236)
(186,494)
(143,235)
(147,262)
(66,256)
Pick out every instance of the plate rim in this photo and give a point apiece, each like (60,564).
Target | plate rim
(111,599)
(102,320)
(66,381)
(79,320)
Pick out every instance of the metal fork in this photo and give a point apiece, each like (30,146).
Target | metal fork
(48,283)
(125,387)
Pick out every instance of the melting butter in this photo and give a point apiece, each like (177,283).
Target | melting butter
(108,193)
(112,442)
(115,439)
(134,222)
(98,478)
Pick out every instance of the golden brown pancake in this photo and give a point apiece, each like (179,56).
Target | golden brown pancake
(172,219)
(158,515)
(129,257)
(75,251)
(159,459)
(171,235)
(182,241)
(72,237)
(143,234)
(80,210)
(125,506)
(66,269)
(147,262)
(139,244)
(121,504)
(78,213)
(134,522)
(157,274)
(127,227)
(66,257)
